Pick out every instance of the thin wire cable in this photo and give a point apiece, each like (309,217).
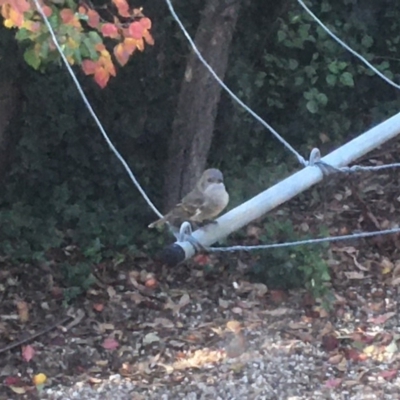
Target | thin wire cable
(356,168)
(327,169)
(359,56)
(93,114)
(302,242)
(234,97)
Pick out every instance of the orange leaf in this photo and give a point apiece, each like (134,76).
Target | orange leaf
(148,38)
(123,7)
(140,44)
(100,47)
(130,45)
(23,311)
(28,352)
(121,54)
(16,17)
(94,19)
(110,30)
(135,30)
(101,76)
(89,67)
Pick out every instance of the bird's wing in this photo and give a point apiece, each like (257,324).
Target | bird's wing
(193,203)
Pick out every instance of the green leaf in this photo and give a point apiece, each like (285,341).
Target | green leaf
(44,50)
(322,98)
(331,80)
(293,64)
(88,49)
(367,41)
(325,7)
(299,80)
(23,34)
(281,36)
(384,65)
(32,58)
(309,95)
(312,106)
(347,79)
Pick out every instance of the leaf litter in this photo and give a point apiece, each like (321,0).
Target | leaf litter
(161,328)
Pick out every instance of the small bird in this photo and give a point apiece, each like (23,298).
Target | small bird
(202,204)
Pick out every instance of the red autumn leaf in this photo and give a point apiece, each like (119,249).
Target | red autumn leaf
(20,5)
(98,307)
(201,259)
(381,319)
(101,76)
(28,352)
(110,30)
(278,296)
(146,23)
(12,380)
(47,11)
(333,383)
(330,342)
(121,54)
(122,7)
(93,18)
(110,344)
(389,374)
(67,15)
(89,67)
(354,355)
(135,30)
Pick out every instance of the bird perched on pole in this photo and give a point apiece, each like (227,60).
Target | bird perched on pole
(202,204)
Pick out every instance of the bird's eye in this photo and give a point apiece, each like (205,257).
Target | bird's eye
(209,180)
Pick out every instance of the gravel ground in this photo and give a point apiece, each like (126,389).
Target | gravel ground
(279,369)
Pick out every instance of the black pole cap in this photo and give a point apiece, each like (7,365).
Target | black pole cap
(172,255)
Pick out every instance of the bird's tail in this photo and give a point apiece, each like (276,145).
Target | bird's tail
(156,224)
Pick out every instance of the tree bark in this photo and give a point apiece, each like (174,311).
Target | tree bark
(193,126)
(9,103)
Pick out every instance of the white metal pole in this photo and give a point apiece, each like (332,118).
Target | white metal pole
(283,191)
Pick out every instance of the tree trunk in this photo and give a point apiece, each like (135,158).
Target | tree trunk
(193,126)
(9,103)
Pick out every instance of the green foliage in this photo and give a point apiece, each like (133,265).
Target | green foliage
(302,82)
(65,187)
(77,279)
(291,267)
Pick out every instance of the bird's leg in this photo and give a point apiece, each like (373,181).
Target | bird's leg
(185,233)
(196,244)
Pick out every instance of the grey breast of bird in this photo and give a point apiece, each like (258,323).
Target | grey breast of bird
(216,199)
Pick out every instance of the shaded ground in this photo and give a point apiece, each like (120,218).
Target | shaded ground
(205,332)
